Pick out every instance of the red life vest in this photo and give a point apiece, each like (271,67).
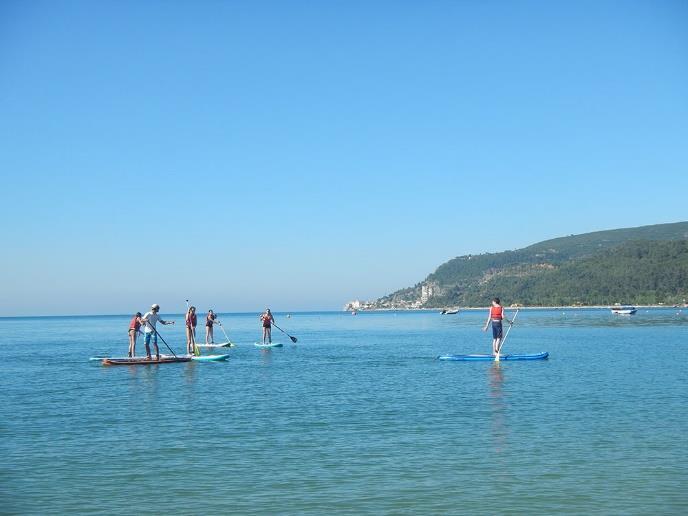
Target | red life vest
(135,324)
(497,312)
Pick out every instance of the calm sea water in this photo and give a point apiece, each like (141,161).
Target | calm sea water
(357,417)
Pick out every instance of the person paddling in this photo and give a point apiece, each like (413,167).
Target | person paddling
(268,320)
(210,320)
(496,316)
(150,319)
(134,330)
(191,321)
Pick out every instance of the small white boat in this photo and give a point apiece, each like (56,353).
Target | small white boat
(450,312)
(624,310)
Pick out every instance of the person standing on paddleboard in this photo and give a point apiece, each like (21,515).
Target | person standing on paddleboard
(496,316)
(134,328)
(209,321)
(191,321)
(150,319)
(268,320)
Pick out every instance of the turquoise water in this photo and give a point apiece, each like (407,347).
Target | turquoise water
(357,417)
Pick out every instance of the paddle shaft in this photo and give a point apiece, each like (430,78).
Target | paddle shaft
(293,339)
(163,340)
(501,344)
(223,331)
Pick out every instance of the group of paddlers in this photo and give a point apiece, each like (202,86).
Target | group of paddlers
(151,318)
(149,321)
(191,320)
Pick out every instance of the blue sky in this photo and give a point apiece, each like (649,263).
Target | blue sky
(301,154)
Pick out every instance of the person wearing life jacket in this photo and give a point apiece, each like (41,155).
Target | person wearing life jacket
(191,320)
(268,320)
(496,316)
(134,330)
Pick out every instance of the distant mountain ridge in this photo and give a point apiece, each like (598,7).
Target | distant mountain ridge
(642,265)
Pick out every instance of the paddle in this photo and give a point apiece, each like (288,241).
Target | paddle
(223,331)
(501,344)
(196,349)
(163,340)
(293,339)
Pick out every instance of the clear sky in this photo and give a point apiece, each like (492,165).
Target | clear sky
(301,154)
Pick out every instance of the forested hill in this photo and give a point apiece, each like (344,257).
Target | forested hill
(643,265)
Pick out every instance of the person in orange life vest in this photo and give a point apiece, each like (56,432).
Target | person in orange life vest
(496,316)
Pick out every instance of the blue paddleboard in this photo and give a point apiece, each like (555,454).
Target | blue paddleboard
(469,358)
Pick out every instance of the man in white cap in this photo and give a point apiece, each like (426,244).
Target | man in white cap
(149,321)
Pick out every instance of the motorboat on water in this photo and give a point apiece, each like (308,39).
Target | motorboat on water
(624,310)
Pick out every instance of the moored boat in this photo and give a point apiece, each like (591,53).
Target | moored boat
(624,310)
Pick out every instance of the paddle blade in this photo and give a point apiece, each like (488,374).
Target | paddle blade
(293,339)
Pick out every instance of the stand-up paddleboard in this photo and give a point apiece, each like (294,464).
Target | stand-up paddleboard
(164,359)
(220,345)
(469,358)
(268,345)
(202,358)
(210,358)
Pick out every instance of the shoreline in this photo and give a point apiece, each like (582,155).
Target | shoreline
(282,313)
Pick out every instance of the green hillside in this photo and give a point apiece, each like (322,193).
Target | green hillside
(642,265)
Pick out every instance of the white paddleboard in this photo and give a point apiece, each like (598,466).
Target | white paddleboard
(220,345)
(268,345)
(210,358)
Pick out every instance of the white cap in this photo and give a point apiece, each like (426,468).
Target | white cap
(156,305)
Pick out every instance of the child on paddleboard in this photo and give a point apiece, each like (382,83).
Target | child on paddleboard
(191,321)
(210,319)
(150,319)
(268,320)
(496,316)
(134,330)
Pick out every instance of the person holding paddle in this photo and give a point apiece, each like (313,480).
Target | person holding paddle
(191,321)
(134,330)
(209,321)
(268,320)
(496,316)
(150,319)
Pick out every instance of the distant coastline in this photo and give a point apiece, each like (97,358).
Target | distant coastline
(477,308)
(643,266)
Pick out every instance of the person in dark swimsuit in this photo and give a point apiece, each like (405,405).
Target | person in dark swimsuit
(268,320)
(495,317)
(210,319)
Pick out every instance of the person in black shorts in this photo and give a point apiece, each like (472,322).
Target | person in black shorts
(495,317)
